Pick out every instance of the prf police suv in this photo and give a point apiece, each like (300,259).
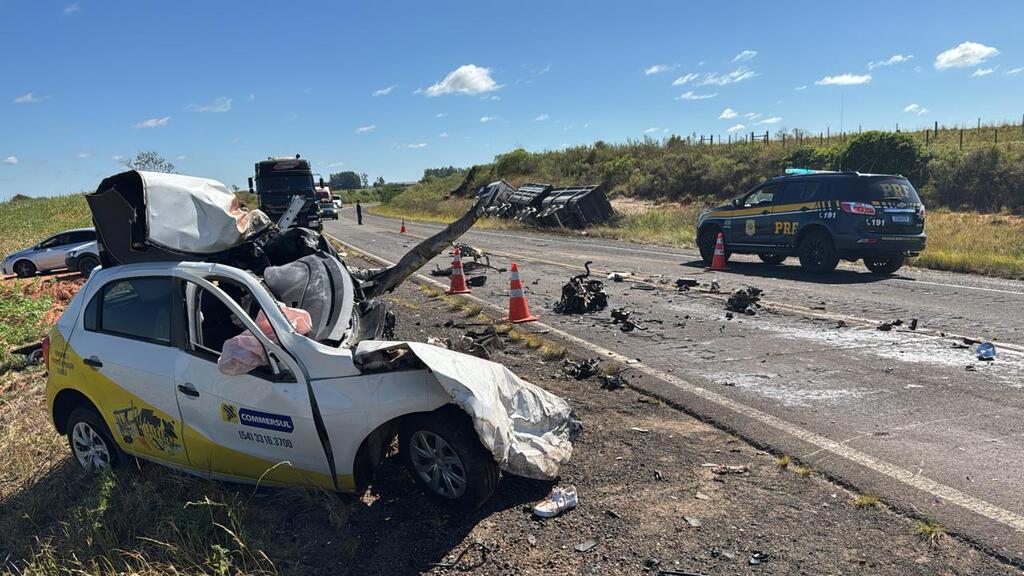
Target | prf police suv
(821,217)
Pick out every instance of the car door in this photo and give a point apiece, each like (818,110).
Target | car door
(794,207)
(50,253)
(125,361)
(256,426)
(752,219)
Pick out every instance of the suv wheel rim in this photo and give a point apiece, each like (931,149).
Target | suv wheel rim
(23,269)
(816,251)
(437,464)
(89,447)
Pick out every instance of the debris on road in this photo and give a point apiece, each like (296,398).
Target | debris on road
(715,285)
(582,294)
(986,351)
(757,557)
(887,326)
(624,318)
(684,284)
(722,469)
(556,502)
(585,545)
(581,370)
(643,286)
(744,300)
(913,324)
(640,430)
(693,522)
(619,276)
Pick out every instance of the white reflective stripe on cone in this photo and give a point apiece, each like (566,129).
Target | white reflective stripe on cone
(516,293)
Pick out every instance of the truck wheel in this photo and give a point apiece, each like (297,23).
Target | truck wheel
(24,269)
(706,243)
(883,264)
(86,264)
(90,440)
(772,259)
(817,254)
(444,456)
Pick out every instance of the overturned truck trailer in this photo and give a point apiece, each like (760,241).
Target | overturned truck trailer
(545,205)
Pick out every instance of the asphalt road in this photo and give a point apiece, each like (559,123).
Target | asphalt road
(909,415)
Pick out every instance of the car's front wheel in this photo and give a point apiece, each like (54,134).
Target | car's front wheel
(86,264)
(706,244)
(24,269)
(884,264)
(444,456)
(772,259)
(90,440)
(817,254)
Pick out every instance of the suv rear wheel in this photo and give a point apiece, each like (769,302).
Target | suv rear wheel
(86,264)
(817,254)
(91,444)
(772,259)
(884,264)
(706,243)
(444,456)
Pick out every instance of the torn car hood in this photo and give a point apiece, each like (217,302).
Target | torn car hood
(526,428)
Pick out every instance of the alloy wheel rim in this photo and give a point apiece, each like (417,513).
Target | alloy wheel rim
(437,464)
(89,447)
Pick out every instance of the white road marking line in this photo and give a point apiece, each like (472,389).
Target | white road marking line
(961,499)
(916,281)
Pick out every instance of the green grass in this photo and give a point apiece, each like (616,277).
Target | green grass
(21,316)
(25,221)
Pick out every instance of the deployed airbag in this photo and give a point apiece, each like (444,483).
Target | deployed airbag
(526,428)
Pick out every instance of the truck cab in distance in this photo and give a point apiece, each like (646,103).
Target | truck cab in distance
(278,180)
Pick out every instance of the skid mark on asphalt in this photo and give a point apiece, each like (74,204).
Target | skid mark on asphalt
(915,480)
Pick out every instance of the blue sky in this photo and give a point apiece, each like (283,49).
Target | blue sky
(391,88)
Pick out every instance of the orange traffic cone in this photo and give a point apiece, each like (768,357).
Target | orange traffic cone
(718,262)
(458,284)
(402,231)
(518,309)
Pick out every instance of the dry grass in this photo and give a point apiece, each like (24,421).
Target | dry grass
(800,470)
(431,291)
(471,310)
(866,500)
(784,461)
(930,531)
(503,328)
(403,302)
(550,351)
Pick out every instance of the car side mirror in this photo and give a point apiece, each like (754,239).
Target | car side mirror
(735,202)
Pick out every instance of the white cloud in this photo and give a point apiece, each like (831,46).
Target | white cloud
(12,160)
(771,120)
(84,154)
(984,71)
(467,79)
(252,97)
(542,118)
(117,158)
(690,95)
(685,78)
(440,115)
(894,59)
(801,87)
(545,69)
(844,80)
(965,55)
(745,56)
(221,104)
(181,157)
(337,164)
(650,130)
(727,114)
(27,98)
(417,145)
(736,127)
(737,75)
(71,9)
(442,135)
(659,68)
(1014,71)
(365,129)
(486,119)
(923,111)
(153,122)
(911,108)
(752,115)
(385,91)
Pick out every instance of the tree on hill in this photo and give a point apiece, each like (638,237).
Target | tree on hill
(347,180)
(149,161)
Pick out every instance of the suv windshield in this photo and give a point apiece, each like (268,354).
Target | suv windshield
(888,188)
(285,183)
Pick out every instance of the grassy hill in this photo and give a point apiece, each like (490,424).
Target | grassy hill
(25,221)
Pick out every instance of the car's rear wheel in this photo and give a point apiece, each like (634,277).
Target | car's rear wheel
(24,269)
(444,456)
(706,244)
(86,264)
(817,254)
(884,264)
(772,259)
(91,444)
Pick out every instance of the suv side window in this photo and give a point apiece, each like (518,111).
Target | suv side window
(137,308)
(801,192)
(760,197)
(81,237)
(55,241)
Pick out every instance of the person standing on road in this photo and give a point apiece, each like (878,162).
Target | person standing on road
(359,213)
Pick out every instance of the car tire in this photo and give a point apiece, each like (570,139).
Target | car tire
(24,269)
(883,264)
(86,264)
(772,259)
(90,440)
(468,474)
(706,244)
(817,253)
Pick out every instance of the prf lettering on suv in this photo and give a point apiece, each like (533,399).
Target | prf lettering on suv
(822,218)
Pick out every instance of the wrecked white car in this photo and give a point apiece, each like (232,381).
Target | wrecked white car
(212,342)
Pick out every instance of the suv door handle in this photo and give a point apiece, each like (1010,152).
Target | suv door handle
(93,361)
(764,212)
(188,390)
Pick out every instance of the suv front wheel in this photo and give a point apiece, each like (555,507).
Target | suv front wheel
(706,244)
(884,264)
(817,254)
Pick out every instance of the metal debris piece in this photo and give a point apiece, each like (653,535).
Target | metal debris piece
(640,430)
(581,370)
(744,300)
(581,294)
(612,382)
(476,281)
(619,276)
(715,285)
(686,283)
(986,351)
(913,324)
(887,326)
(624,318)
(757,557)
(586,545)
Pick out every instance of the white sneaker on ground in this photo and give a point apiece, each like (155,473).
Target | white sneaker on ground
(558,501)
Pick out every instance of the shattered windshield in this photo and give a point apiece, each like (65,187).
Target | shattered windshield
(285,183)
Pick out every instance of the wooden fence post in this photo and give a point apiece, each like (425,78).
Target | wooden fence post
(961,139)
